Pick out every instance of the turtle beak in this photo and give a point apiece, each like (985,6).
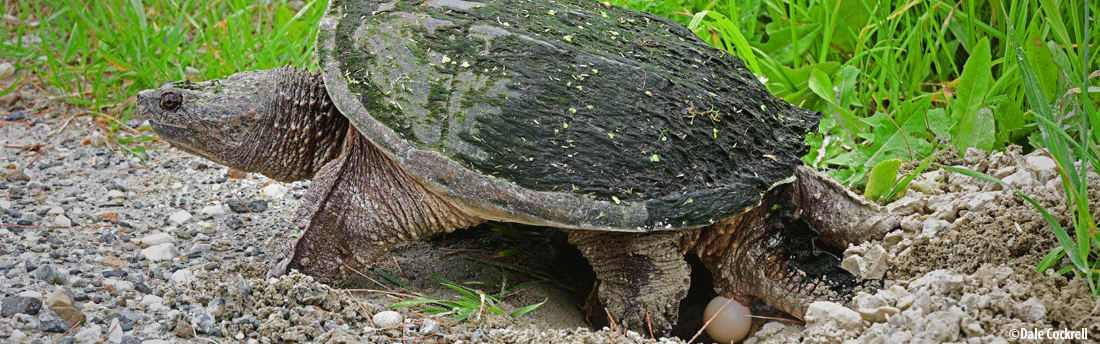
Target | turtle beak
(141,111)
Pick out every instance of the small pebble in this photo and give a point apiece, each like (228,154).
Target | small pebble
(213,210)
(201,320)
(274,191)
(63,221)
(180,217)
(89,334)
(157,239)
(49,274)
(114,331)
(15,116)
(161,252)
(17,336)
(50,322)
(60,297)
(182,276)
(386,319)
(429,327)
(254,206)
(184,330)
(24,322)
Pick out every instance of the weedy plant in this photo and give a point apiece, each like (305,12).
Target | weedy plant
(1073,155)
(471,302)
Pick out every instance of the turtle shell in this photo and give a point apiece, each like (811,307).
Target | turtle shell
(565,113)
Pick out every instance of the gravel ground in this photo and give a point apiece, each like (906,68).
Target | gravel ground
(98,245)
(161,247)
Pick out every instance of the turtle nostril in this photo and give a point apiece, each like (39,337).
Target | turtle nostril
(170,101)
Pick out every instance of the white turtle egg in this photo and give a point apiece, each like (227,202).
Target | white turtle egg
(731,325)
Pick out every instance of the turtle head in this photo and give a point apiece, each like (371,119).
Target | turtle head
(278,122)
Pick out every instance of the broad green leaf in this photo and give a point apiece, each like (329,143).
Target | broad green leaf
(976,128)
(938,123)
(881,180)
(821,85)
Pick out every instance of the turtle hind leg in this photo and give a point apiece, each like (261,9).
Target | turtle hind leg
(358,206)
(641,277)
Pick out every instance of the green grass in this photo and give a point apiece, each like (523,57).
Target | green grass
(471,301)
(100,53)
(895,81)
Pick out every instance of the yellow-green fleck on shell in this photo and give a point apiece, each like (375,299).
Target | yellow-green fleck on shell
(508,108)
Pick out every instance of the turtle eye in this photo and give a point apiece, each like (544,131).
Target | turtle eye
(170,101)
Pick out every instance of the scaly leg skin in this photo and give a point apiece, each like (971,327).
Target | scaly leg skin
(769,251)
(638,273)
(358,207)
(841,216)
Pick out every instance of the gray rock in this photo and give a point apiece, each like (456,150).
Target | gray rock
(131,340)
(430,327)
(15,116)
(1031,310)
(50,322)
(19,305)
(201,248)
(7,264)
(127,319)
(202,320)
(48,273)
(213,210)
(256,206)
(234,222)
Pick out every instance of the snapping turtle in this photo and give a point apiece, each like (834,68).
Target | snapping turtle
(621,128)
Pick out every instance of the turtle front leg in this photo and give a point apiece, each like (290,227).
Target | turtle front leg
(358,207)
(842,217)
(642,276)
(769,253)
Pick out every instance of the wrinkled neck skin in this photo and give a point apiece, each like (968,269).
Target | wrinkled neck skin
(278,122)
